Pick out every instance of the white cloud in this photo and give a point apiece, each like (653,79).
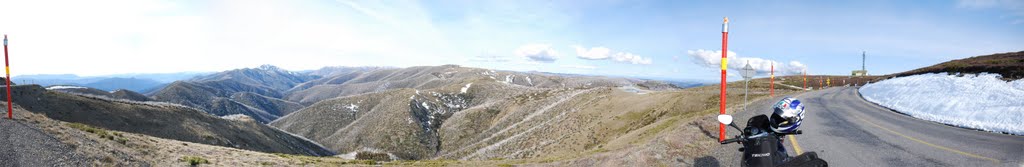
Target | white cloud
(537,53)
(595,53)
(795,67)
(713,59)
(631,58)
(602,53)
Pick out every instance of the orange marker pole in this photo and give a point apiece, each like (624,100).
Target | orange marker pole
(7,67)
(725,61)
(805,79)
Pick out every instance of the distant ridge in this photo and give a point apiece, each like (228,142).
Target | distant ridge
(254,92)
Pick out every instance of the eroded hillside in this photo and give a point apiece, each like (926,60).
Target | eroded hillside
(161,120)
(478,114)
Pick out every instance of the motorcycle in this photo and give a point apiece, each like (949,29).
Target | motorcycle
(763,147)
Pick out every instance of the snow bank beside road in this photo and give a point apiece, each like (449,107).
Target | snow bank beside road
(978,102)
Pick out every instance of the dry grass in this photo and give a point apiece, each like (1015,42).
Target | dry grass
(506,123)
(515,124)
(1010,65)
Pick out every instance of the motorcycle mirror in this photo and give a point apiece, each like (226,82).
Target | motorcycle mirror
(725,119)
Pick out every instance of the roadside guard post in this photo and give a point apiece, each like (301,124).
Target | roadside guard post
(805,79)
(7,67)
(725,61)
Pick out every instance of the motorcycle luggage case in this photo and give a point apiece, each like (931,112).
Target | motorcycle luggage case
(762,151)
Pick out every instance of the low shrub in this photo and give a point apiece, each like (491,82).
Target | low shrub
(193,160)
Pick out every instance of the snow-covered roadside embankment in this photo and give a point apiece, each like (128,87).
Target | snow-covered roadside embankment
(978,102)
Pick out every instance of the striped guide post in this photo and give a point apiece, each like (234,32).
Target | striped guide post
(725,61)
(805,79)
(7,67)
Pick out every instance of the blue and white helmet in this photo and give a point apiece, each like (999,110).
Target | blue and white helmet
(788,114)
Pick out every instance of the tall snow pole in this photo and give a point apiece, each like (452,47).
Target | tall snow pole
(725,61)
(7,67)
(805,79)
(772,82)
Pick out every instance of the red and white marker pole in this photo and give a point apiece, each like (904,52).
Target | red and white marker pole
(725,62)
(772,82)
(805,79)
(7,67)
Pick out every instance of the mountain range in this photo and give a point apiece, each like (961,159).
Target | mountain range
(134,82)
(425,112)
(436,115)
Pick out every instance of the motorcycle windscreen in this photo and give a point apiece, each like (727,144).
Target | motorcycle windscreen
(762,151)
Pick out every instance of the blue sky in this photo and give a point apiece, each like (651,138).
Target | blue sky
(650,39)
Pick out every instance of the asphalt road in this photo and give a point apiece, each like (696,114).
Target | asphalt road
(26,145)
(846,130)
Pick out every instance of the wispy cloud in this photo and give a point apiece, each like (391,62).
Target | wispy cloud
(1014,7)
(491,57)
(586,67)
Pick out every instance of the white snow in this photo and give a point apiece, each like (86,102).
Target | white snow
(65,87)
(236,117)
(979,102)
(633,89)
(348,156)
(353,107)
(424,104)
(466,88)
(510,78)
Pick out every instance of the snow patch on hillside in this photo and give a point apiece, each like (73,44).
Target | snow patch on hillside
(353,107)
(509,79)
(239,117)
(65,87)
(633,89)
(491,74)
(980,101)
(466,88)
